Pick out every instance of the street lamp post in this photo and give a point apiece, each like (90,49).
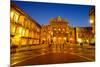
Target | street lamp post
(91,21)
(80,41)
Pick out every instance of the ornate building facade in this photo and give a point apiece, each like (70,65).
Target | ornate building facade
(57,32)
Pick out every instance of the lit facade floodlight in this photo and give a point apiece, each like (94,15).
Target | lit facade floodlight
(64,38)
(63,29)
(59,29)
(51,33)
(79,40)
(54,38)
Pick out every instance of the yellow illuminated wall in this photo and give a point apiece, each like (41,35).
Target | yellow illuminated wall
(92,19)
(23,29)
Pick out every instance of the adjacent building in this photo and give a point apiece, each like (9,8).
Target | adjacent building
(84,34)
(24,31)
(92,19)
(92,22)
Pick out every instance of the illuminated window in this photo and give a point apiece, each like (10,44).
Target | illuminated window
(23,32)
(30,33)
(37,41)
(12,15)
(36,35)
(63,29)
(21,20)
(12,29)
(16,16)
(34,41)
(33,26)
(23,41)
(26,23)
(64,38)
(38,30)
(30,41)
(33,35)
(19,30)
(27,33)
(15,41)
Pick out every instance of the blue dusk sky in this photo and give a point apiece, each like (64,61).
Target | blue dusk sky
(77,15)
